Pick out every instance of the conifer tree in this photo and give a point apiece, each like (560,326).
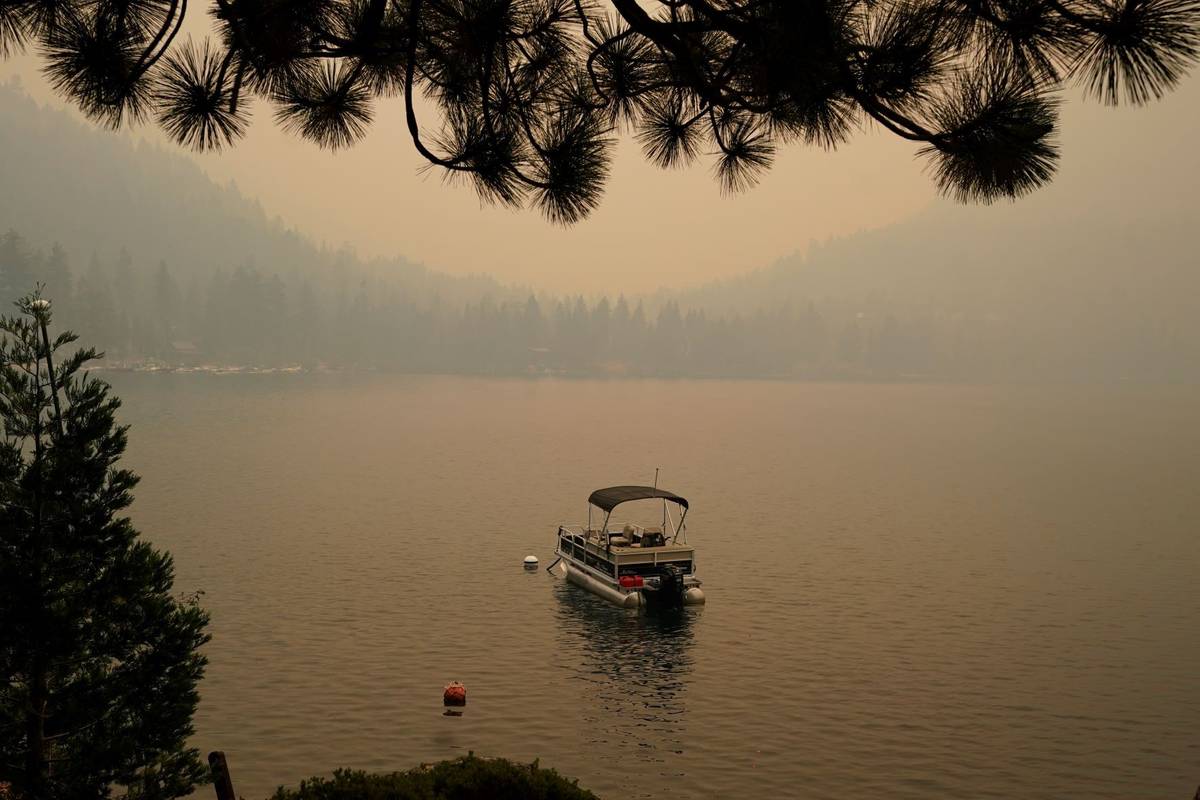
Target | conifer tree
(99,661)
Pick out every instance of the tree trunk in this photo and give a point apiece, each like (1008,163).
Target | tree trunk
(50,374)
(35,714)
(35,732)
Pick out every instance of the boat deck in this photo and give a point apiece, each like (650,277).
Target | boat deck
(659,548)
(649,546)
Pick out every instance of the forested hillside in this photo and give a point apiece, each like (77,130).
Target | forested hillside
(97,193)
(158,266)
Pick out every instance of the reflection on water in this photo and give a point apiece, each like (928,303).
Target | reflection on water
(635,668)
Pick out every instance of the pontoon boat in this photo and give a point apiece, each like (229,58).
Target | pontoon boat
(631,565)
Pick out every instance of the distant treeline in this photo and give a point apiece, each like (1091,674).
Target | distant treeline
(246,316)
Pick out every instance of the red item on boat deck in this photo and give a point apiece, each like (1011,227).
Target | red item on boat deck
(455,694)
(631,581)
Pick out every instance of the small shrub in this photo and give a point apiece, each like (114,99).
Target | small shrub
(468,778)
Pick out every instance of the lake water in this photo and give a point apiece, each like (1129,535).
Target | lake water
(913,591)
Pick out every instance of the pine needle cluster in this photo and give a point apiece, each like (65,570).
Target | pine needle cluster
(530,95)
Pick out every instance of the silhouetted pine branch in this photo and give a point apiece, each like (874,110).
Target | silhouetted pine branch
(194,95)
(528,93)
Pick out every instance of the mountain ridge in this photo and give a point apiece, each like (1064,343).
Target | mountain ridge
(184,269)
(97,192)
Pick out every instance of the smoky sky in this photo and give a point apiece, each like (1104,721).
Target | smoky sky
(659,228)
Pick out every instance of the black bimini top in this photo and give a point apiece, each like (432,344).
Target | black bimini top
(613,496)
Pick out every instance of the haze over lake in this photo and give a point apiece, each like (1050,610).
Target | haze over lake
(902,296)
(914,591)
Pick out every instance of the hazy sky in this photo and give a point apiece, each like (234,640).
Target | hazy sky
(653,227)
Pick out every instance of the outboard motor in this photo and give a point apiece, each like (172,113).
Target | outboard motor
(669,593)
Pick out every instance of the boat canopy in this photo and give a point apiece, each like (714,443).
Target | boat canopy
(608,499)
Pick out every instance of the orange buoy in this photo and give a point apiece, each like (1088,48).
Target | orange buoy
(455,694)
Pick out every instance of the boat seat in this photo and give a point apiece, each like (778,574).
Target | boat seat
(618,541)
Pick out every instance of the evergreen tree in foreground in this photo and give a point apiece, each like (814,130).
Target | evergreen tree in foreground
(99,662)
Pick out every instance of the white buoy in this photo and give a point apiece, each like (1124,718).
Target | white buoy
(531,562)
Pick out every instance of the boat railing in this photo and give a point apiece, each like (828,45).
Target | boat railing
(583,530)
(614,528)
(600,541)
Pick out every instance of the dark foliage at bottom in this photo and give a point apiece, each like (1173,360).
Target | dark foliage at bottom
(469,778)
